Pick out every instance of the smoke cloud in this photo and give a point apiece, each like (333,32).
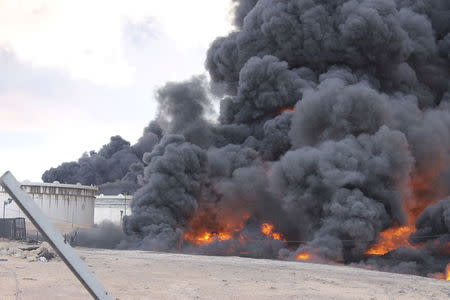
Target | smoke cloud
(334,126)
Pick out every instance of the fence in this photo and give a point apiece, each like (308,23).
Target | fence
(13,228)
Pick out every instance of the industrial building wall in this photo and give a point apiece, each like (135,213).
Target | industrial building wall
(111,208)
(67,207)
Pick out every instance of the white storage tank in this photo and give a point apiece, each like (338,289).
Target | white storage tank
(68,206)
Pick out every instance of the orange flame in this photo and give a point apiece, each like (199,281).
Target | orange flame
(206,237)
(391,239)
(303,256)
(414,205)
(267,229)
(286,109)
(224,236)
(443,276)
(206,227)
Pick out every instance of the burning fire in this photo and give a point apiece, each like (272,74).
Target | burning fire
(447,273)
(207,227)
(391,239)
(212,226)
(397,236)
(267,229)
(286,109)
(206,237)
(303,256)
(443,276)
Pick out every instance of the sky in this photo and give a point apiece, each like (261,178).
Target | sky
(75,73)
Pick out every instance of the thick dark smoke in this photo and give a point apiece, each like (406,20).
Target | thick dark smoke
(334,126)
(183,108)
(175,175)
(240,9)
(109,164)
(344,190)
(434,224)
(116,168)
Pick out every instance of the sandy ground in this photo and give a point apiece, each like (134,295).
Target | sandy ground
(61,226)
(151,275)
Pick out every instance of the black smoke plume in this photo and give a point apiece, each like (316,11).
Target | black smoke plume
(334,126)
(116,168)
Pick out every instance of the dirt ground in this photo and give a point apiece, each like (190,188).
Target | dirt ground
(151,275)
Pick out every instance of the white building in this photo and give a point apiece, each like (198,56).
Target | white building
(111,208)
(67,205)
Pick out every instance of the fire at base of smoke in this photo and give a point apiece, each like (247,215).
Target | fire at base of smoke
(334,130)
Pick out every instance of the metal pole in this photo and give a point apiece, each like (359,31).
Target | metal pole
(41,222)
(6,202)
(125,194)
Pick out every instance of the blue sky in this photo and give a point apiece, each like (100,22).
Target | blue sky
(74,73)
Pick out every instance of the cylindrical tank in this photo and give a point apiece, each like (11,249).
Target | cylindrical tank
(67,205)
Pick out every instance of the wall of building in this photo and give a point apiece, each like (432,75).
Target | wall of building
(111,208)
(67,205)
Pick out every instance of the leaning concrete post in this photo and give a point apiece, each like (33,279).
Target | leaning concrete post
(41,222)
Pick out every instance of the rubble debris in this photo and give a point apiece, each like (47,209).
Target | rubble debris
(28,247)
(41,252)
